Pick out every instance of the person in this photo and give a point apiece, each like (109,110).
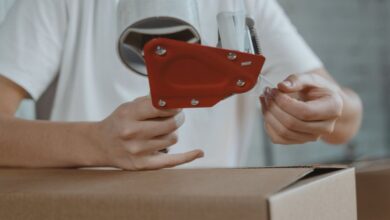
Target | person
(94,123)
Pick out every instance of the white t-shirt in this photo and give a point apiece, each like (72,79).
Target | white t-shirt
(76,40)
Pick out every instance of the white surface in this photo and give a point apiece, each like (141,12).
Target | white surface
(78,40)
(26,109)
(4,6)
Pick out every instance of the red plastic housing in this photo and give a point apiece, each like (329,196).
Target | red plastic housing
(183,75)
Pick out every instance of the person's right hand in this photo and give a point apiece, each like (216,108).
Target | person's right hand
(132,136)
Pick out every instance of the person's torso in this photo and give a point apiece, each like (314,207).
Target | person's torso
(93,82)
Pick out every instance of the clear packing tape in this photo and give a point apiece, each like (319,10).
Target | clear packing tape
(237,32)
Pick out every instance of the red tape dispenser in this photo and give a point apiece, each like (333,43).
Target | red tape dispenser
(184,75)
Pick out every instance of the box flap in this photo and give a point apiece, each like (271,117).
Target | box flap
(324,195)
(166,194)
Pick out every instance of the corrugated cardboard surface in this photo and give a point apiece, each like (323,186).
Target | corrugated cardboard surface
(327,196)
(167,194)
(373,190)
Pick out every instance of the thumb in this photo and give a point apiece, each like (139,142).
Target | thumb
(296,83)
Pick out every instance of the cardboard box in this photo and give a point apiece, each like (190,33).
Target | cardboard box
(295,193)
(373,190)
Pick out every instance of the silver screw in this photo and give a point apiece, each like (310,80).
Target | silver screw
(240,83)
(246,63)
(232,56)
(161,51)
(194,102)
(162,103)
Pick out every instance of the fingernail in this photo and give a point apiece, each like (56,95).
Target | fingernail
(274,92)
(267,91)
(180,118)
(262,97)
(263,93)
(267,96)
(287,83)
(201,154)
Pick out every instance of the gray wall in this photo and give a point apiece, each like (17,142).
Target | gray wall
(352,38)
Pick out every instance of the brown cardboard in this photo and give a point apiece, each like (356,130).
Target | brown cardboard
(317,195)
(373,190)
(207,194)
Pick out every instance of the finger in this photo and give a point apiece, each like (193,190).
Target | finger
(263,104)
(156,128)
(277,139)
(161,160)
(286,133)
(294,124)
(324,108)
(144,110)
(151,146)
(298,82)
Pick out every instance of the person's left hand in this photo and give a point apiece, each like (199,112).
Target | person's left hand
(302,109)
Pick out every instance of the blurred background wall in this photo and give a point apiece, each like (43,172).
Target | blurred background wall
(352,37)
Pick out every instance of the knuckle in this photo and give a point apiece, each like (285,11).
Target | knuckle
(173,124)
(123,110)
(134,148)
(155,111)
(137,108)
(124,133)
(284,102)
(173,139)
(307,114)
(290,124)
(127,133)
(284,132)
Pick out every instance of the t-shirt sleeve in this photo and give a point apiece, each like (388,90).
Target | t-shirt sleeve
(31,41)
(285,50)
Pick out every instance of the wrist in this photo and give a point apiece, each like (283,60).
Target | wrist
(350,120)
(94,154)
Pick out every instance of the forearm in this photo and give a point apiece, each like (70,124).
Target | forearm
(349,122)
(47,144)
